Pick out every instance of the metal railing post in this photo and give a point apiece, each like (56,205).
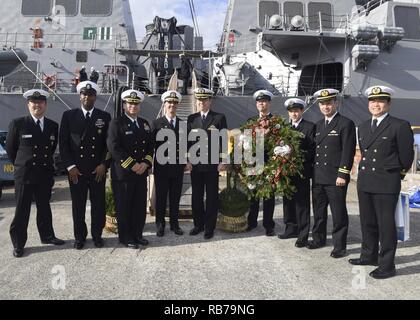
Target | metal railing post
(65,40)
(320,21)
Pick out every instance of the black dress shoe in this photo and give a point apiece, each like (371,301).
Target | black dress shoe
(314,245)
(143,241)
(250,228)
(361,262)
(18,252)
(208,235)
(270,233)
(55,241)
(99,242)
(160,232)
(336,254)
(301,243)
(178,231)
(287,235)
(132,245)
(78,245)
(379,274)
(194,231)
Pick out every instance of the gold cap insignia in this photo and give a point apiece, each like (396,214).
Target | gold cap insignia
(36,94)
(325,93)
(376,90)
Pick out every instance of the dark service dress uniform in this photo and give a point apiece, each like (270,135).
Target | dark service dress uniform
(387,154)
(297,211)
(168,176)
(130,144)
(335,149)
(83,144)
(205,177)
(31,150)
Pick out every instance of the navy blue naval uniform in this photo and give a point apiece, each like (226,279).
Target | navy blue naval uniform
(387,154)
(206,176)
(297,211)
(31,150)
(83,144)
(334,156)
(168,177)
(128,145)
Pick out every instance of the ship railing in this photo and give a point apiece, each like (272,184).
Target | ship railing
(294,85)
(247,42)
(370,6)
(61,40)
(319,22)
(63,83)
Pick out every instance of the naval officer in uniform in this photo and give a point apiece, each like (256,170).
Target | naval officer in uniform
(297,211)
(168,172)
(30,144)
(205,176)
(263,104)
(335,141)
(130,142)
(386,144)
(83,133)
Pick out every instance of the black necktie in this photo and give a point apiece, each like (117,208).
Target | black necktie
(38,124)
(88,117)
(173,123)
(327,122)
(374,125)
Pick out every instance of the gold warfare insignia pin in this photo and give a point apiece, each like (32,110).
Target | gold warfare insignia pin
(325,93)
(376,90)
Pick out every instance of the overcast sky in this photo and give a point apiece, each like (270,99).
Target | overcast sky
(210,16)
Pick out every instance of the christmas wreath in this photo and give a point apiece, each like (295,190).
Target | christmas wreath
(283,158)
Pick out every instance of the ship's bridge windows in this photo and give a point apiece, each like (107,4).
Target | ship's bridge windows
(314,8)
(291,9)
(96,7)
(267,9)
(68,8)
(409,19)
(41,8)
